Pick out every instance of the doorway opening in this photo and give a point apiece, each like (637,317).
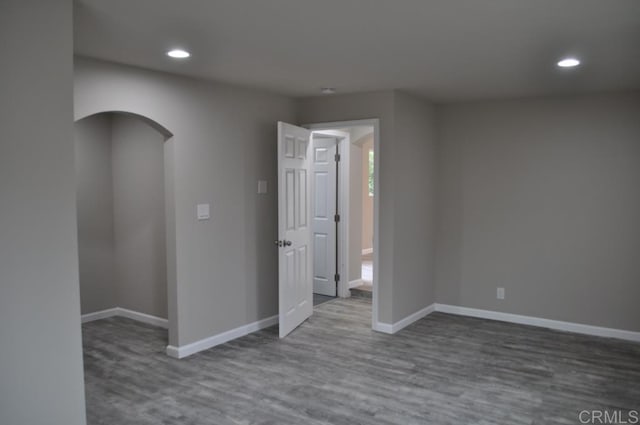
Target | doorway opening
(362,198)
(126,231)
(344,210)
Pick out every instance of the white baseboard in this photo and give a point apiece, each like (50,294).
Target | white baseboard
(391,328)
(401,324)
(383,327)
(102,314)
(144,318)
(367,251)
(123,312)
(537,321)
(355,283)
(206,343)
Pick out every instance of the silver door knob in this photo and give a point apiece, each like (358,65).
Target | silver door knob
(287,243)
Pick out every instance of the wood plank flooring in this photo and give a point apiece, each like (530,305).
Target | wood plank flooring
(443,369)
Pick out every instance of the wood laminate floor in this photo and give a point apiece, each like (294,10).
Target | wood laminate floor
(443,369)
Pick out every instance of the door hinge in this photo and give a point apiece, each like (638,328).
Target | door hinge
(336,218)
(337,277)
(337,157)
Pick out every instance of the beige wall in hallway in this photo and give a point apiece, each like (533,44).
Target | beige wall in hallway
(355,212)
(366,201)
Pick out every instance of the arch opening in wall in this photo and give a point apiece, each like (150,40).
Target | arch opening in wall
(126,218)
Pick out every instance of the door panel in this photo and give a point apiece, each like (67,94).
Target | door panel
(294,233)
(324,210)
(320,250)
(290,199)
(303,201)
(320,206)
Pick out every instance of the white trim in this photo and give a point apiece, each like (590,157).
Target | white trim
(367,251)
(355,283)
(383,327)
(102,314)
(508,317)
(173,351)
(144,318)
(401,324)
(123,312)
(540,322)
(209,342)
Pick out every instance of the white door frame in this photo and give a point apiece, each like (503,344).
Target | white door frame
(343,187)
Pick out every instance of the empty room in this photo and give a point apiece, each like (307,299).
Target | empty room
(319,212)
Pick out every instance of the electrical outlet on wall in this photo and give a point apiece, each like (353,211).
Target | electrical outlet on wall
(500,294)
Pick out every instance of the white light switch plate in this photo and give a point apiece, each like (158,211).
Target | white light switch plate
(203,212)
(262,187)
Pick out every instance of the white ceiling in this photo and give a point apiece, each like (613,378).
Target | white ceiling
(446,50)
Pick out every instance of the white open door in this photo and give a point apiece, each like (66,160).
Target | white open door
(294,231)
(323,214)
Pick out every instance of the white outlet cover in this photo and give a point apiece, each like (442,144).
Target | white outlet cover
(203,211)
(500,294)
(262,187)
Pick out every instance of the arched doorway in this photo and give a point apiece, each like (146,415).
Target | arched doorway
(126,218)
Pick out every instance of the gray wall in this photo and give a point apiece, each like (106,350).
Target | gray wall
(406,156)
(140,263)
(121,210)
(224,142)
(542,197)
(94,181)
(415,191)
(41,377)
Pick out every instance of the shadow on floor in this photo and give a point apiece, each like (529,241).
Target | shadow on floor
(319,299)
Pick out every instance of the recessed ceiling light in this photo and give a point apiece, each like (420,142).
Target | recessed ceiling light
(178,54)
(568,63)
(328,90)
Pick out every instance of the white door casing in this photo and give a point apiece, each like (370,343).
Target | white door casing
(323,212)
(294,230)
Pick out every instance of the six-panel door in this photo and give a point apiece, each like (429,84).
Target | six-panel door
(323,215)
(295,289)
